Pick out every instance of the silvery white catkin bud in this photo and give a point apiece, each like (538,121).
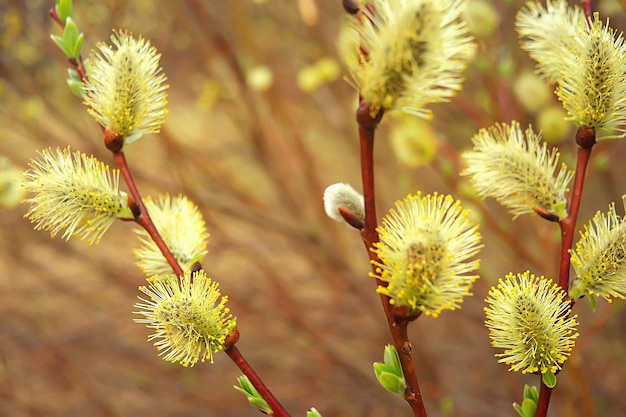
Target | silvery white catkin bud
(343,195)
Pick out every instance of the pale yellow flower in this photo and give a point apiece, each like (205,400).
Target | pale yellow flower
(189,317)
(183,230)
(587,60)
(549,33)
(529,318)
(600,257)
(518,170)
(416,53)
(413,141)
(592,86)
(126,89)
(74,192)
(11,193)
(482,17)
(426,248)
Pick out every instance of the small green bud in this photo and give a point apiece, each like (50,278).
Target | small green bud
(72,39)
(313,413)
(75,83)
(389,373)
(76,87)
(529,404)
(254,397)
(527,409)
(392,360)
(530,392)
(59,42)
(392,382)
(63,9)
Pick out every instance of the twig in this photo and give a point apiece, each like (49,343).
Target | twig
(398,328)
(586,139)
(235,355)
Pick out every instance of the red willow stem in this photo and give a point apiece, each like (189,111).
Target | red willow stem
(367,126)
(54,15)
(544,400)
(235,355)
(143,219)
(586,139)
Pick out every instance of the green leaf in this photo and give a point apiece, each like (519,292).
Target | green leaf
(313,413)
(392,360)
(549,379)
(592,301)
(77,87)
(518,408)
(529,408)
(60,43)
(254,397)
(260,404)
(245,386)
(78,45)
(73,74)
(379,368)
(64,9)
(72,38)
(389,373)
(530,392)
(392,382)
(87,66)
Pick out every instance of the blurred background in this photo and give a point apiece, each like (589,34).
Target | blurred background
(261,121)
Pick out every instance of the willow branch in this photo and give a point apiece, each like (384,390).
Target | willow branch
(398,328)
(142,217)
(235,355)
(585,137)
(544,400)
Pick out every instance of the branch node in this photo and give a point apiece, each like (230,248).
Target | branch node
(586,137)
(364,116)
(350,6)
(232,338)
(113,141)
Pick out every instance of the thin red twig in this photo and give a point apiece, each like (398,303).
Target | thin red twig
(568,224)
(585,138)
(235,355)
(144,219)
(398,328)
(544,400)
